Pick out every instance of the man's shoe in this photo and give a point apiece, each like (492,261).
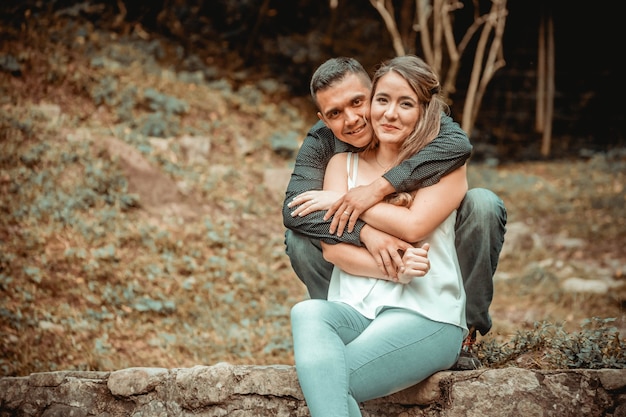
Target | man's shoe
(467,358)
(467,362)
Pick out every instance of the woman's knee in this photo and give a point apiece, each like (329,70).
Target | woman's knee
(307,309)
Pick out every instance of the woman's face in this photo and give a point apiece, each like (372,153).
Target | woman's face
(394,110)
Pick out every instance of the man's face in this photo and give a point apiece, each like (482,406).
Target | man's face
(345,108)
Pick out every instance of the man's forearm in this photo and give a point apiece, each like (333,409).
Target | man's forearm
(313,225)
(308,174)
(448,151)
(381,187)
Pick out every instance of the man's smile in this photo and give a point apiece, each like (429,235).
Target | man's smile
(357,130)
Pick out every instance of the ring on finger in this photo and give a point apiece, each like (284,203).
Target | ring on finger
(345,213)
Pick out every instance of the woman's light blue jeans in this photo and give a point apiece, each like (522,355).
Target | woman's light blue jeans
(343,358)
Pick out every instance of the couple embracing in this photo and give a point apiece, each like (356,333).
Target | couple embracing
(397,254)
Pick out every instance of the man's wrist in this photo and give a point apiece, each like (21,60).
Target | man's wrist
(381,188)
(363,234)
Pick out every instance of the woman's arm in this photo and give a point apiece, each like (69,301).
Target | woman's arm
(358,261)
(431,206)
(448,151)
(352,259)
(380,247)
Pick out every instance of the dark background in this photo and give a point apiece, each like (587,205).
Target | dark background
(249,40)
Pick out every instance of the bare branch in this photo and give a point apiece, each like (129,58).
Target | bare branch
(449,85)
(480,77)
(385,9)
(423,11)
(434,21)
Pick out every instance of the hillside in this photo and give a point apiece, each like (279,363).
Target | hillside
(141,213)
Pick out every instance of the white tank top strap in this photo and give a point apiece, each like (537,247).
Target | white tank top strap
(353,168)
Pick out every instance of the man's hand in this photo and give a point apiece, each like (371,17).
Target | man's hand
(311,201)
(354,202)
(385,249)
(416,264)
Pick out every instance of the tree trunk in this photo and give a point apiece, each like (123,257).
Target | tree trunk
(549,99)
(540,109)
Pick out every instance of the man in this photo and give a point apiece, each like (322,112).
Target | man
(340,88)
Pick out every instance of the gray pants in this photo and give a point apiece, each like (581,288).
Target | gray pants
(480,229)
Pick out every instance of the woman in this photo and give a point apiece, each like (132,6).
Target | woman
(375,336)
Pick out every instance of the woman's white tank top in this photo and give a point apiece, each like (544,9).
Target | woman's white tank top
(439,295)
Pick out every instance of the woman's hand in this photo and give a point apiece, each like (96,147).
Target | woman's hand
(311,201)
(385,249)
(416,264)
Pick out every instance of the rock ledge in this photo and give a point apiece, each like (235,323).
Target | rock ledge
(247,390)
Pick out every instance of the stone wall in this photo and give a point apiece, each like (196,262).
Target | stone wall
(238,391)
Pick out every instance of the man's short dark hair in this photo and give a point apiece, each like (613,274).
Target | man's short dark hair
(334,70)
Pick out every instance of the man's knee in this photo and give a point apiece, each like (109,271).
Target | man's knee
(483,203)
(482,199)
(307,261)
(298,244)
